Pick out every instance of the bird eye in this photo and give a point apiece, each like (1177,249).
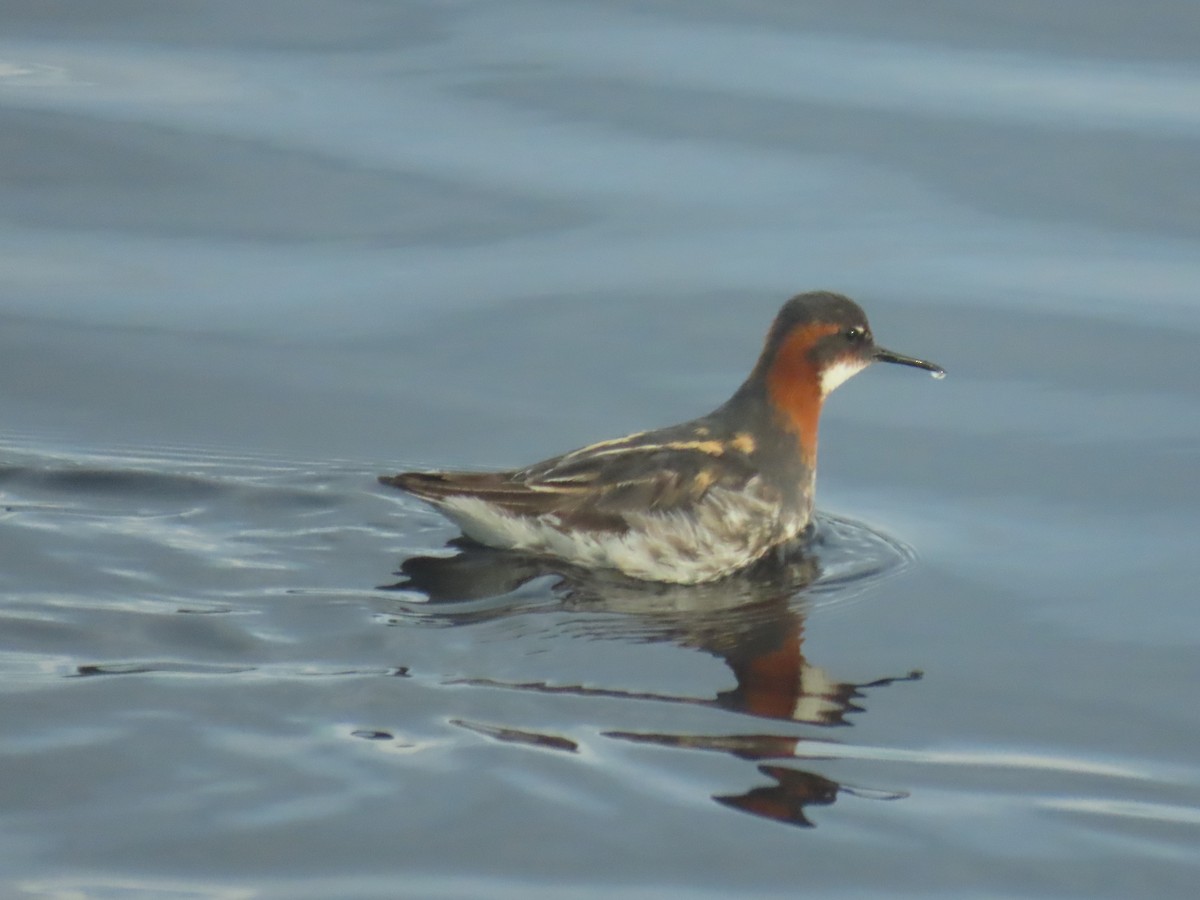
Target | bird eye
(856,334)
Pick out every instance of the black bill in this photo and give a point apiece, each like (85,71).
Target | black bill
(882,355)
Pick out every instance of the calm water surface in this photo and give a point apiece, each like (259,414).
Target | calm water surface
(253,254)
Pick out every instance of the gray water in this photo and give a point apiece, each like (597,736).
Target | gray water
(253,254)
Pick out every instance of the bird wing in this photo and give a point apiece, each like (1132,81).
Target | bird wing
(598,485)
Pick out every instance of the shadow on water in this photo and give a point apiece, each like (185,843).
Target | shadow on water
(754,622)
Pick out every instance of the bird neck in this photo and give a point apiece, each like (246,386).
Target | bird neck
(793,386)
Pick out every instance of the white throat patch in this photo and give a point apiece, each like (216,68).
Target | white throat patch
(838,373)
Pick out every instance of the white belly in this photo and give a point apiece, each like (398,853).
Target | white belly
(721,534)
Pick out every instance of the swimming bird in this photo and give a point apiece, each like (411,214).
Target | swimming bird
(688,503)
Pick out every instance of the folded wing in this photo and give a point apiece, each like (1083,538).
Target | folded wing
(597,486)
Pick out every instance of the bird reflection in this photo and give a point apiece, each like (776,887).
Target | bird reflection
(748,620)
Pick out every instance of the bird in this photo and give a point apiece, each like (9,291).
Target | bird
(689,503)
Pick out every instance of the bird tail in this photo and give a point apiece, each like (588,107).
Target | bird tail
(434,486)
(426,485)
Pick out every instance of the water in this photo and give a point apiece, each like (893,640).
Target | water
(253,255)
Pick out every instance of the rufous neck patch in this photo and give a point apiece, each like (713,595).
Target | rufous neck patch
(794,386)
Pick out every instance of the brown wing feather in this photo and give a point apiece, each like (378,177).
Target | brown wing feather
(597,485)
(493,487)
